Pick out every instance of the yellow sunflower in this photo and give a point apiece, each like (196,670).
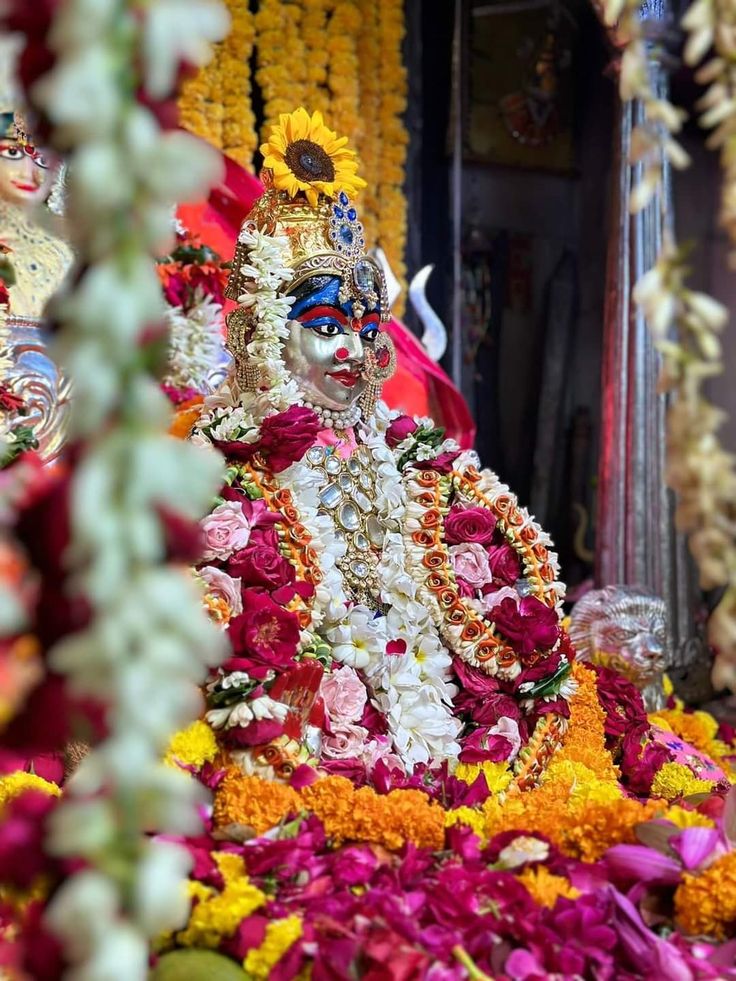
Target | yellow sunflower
(304,155)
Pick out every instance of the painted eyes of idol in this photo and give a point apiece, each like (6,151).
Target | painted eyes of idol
(12,151)
(331,322)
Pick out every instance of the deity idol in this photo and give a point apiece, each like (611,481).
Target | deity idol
(36,394)
(390,607)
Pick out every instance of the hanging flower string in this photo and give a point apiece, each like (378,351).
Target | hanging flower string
(686,323)
(117,612)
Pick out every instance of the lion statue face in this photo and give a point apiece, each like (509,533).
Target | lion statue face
(624,628)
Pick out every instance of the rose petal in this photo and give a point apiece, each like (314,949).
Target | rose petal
(695,845)
(642,864)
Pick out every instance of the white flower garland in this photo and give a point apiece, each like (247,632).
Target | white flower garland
(147,633)
(195,344)
(265,274)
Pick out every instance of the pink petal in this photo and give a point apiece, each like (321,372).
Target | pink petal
(642,864)
(695,845)
(729,817)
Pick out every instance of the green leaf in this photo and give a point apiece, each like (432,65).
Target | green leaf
(196,965)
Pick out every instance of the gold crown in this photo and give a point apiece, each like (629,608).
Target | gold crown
(308,172)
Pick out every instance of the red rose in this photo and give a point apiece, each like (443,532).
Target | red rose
(264,632)
(261,565)
(399,429)
(483,745)
(504,564)
(464,525)
(442,463)
(530,626)
(287,436)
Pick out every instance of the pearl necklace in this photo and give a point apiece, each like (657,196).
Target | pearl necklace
(332,419)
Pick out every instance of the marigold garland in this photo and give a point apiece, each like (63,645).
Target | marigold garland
(346,813)
(239,137)
(341,59)
(281,55)
(391,199)
(215,104)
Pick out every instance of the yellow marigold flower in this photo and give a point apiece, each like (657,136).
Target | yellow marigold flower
(706,903)
(280,935)
(217,915)
(193,746)
(674,780)
(545,887)
(583,783)
(687,819)
(498,775)
(468,816)
(15,783)
(304,155)
(667,686)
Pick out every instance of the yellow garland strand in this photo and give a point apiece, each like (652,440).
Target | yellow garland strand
(317,57)
(371,145)
(391,198)
(216,103)
(239,138)
(341,58)
(281,52)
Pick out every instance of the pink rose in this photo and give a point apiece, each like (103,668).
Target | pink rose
(493,599)
(469,525)
(504,563)
(264,632)
(530,626)
(224,587)
(470,563)
(344,742)
(262,565)
(399,429)
(226,530)
(344,695)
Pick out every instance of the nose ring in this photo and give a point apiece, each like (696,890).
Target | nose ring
(342,354)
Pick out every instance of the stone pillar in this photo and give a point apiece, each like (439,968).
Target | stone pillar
(637,543)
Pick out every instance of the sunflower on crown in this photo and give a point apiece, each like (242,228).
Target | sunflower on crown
(302,154)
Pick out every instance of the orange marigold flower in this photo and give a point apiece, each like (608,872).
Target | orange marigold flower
(545,887)
(706,903)
(258,804)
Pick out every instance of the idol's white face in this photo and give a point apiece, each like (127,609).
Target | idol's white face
(327,347)
(26,173)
